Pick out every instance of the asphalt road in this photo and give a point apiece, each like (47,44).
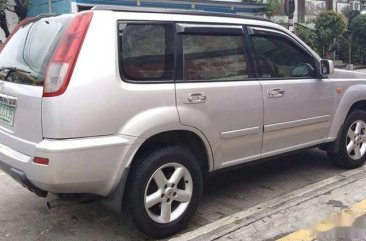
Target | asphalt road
(23,216)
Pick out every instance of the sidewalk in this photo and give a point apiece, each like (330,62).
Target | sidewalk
(361,70)
(293,216)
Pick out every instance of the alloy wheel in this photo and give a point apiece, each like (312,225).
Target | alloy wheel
(356,140)
(168,193)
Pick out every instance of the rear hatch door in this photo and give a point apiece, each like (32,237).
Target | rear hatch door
(23,61)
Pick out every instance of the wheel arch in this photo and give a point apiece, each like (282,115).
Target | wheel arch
(188,138)
(353,98)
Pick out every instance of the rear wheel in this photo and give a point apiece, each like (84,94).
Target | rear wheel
(165,190)
(352,145)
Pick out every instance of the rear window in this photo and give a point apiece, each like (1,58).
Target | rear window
(214,58)
(30,49)
(147,52)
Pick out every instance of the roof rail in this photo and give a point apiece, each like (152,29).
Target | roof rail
(176,11)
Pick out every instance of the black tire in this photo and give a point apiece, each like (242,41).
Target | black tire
(140,177)
(342,159)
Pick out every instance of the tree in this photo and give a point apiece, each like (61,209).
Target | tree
(358,33)
(19,7)
(350,14)
(272,6)
(308,36)
(328,26)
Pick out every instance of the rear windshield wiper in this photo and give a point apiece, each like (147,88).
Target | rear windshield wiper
(13,70)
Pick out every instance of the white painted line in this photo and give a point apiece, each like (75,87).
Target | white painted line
(237,220)
(2,174)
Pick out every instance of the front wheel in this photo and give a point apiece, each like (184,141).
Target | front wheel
(352,145)
(165,190)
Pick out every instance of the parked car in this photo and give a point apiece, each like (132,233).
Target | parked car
(138,106)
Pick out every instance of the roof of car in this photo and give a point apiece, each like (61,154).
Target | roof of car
(177,11)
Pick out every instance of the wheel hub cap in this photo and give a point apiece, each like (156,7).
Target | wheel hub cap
(356,140)
(168,193)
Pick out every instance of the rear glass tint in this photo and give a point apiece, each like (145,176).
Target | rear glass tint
(147,52)
(30,49)
(214,58)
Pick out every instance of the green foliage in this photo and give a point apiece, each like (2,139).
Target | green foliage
(272,6)
(357,31)
(308,36)
(328,26)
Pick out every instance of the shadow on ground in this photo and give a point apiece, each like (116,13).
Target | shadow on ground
(24,216)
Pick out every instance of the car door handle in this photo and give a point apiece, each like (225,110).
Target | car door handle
(194,98)
(275,93)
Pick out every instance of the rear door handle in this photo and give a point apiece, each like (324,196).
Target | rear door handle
(194,98)
(275,93)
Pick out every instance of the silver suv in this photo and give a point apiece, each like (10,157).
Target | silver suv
(138,106)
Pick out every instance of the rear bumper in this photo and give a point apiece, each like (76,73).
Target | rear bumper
(85,165)
(20,177)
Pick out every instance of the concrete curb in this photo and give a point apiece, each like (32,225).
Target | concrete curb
(244,218)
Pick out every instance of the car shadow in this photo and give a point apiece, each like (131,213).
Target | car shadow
(225,193)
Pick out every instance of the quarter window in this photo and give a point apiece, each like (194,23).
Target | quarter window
(147,52)
(214,58)
(279,58)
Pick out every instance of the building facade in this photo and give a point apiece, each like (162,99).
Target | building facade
(67,6)
(307,10)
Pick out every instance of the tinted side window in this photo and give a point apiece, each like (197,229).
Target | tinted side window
(147,52)
(210,57)
(279,58)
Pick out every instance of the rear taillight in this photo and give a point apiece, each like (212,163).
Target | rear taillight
(20,24)
(62,63)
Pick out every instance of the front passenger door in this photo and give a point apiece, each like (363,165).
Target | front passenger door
(297,105)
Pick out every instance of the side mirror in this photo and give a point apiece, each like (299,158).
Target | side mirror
(326,68)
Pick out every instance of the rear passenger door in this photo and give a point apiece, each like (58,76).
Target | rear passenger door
(215,92)
(297,105)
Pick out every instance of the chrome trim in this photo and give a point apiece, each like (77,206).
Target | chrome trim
(275,93)
(241,132)
(297,123)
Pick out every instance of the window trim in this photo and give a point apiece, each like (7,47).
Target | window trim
(211,29)
(120,57)
(214,29)
(263,31)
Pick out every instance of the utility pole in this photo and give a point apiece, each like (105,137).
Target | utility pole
(290,9)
